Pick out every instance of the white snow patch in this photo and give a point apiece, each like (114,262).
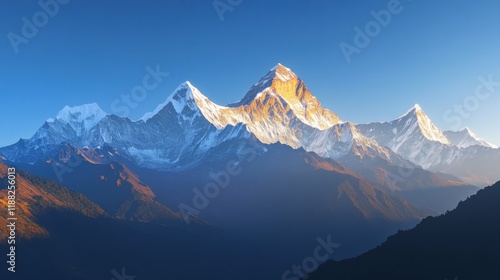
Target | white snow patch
(179,102)
(88,115)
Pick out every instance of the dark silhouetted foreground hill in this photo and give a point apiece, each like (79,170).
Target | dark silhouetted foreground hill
(462,244)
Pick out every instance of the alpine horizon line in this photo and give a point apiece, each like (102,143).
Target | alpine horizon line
(158,75)
(279,108)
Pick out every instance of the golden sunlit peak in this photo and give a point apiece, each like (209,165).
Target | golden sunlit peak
(417,107)
(282,70)
(281,67)
(278,72)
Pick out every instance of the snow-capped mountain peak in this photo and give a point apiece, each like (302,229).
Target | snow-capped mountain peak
(465,138)
(277,109)
(414,110)
(466,129)
(277,73)
(282,73)
(416,119)
(282,87)
(88,115)
(412,136)
(347,132)
(184,95)
(340,140)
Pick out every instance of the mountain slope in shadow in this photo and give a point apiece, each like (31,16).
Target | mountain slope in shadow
(287,198)
(62,235)
(461,244)
(34,197)
(106,182)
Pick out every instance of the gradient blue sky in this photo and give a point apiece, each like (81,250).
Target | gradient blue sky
(431,53)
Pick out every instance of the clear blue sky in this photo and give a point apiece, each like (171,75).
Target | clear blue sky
(431,53)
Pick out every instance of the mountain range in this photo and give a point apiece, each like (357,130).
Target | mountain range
(277,109)
(276,167)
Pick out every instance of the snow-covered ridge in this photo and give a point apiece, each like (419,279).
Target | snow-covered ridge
(283,73)
(280,86)
(414,123)
(414,137)
(281,83)
(280,72)
(179,99)
(466,138)
(188,95)
(416,118)
(88,115)
(278,109)
(413,109)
